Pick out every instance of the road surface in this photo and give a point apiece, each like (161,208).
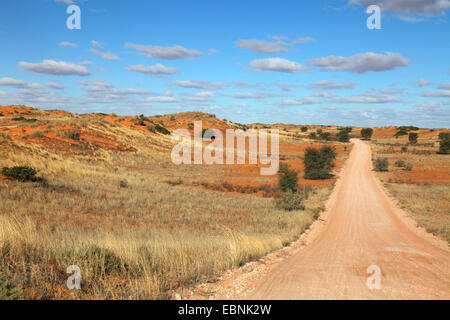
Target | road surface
(363,227)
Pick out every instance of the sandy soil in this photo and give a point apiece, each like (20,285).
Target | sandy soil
(361,227)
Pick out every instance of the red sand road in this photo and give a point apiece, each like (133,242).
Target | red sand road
(363,227)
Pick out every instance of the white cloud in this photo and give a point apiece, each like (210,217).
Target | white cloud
(19,84)
(96,44)
(323,94)
(328,85)
(67,44)
(104,55)
(300,102)
(437,94)
(280,45)
(422,83)
(255,95)
(167,53)
(200,84)
(60,68)
(369,97)
(361,62)
(444,85)
(262,46)
(158,70)
(277,65)
(422,7)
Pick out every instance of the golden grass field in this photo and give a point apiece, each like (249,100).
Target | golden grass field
(424,189)
(137,225)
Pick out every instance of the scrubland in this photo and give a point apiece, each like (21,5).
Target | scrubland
(421,183)
(138,226)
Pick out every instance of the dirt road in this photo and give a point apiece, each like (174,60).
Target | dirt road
(362,227)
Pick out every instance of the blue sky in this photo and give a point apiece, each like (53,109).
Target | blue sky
(304,62)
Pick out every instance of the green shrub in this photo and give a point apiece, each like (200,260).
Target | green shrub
(287,179)
(319,131)
(404,149)
(400,163)
(367,133)
(73,135)
(290,201)
(408,166)
(381,164)
(319,163)
(304,129)
(325,136)
(151,128)
(8,290)
(161,129)
(312,135)
(102,261)
(343,136)
(444,142)
(21,173)
(413,137)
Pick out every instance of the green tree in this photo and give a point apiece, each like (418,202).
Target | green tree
(304,129)
(367,133)
(319,162)
(413,137)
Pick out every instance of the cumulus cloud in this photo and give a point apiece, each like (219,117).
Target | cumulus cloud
(105,55)
(437,94)
(328,85)
(262,46)
(158,70)
(255,95)
(444,85)
(200,84)
(300,102)
(67,44)
(421,7)
(369,97)
(167,53)
(323,94)
(361,62)
(280,44)
(60,68)
(277,65)
(422,83)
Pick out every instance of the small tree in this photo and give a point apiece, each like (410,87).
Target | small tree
(312,135)
(319,163)
(21,173)
(304,129)
(287,179)
(444,142)
(343,135)
(413,137)
(367,133)
(325,136)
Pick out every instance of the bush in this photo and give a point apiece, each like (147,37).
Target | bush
(400,163)
(8,290)
(36,134)
(21,173)
(381,164)
(444,142)
(151,128)
(312,135)
(367,133)
(408,167)
(325,136)
(73,135)
(161,129)
(290,201)
(343,136)
(304,129)
(319,163)
(404,149)
(102,261)
(413,137)
(287,179)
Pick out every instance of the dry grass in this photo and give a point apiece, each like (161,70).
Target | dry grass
(113,213)
(425,189)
